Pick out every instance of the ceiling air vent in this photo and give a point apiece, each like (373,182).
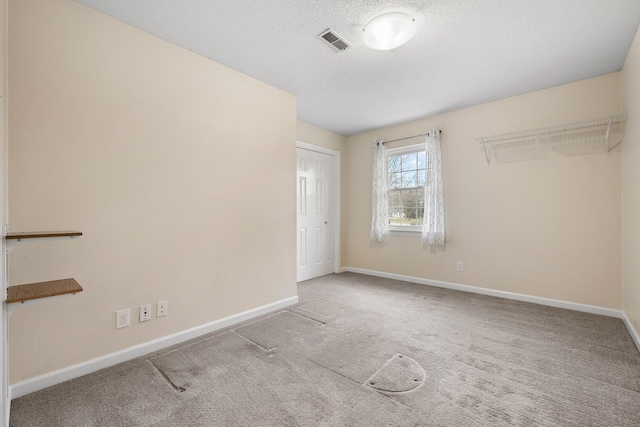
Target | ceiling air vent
(334,40)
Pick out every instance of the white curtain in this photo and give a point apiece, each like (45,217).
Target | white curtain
(433,226)
(379,197)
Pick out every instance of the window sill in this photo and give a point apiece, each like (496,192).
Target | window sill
(405,232)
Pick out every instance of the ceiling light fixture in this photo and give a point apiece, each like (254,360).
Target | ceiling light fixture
(389,31)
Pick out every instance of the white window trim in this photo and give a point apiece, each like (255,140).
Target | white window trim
(405,230)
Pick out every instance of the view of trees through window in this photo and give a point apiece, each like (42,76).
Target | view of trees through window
(406,175)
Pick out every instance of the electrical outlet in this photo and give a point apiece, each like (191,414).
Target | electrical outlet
(123,318)
(145,312)
(161,308)
(460,266)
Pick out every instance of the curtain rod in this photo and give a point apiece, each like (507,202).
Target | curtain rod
(409,137)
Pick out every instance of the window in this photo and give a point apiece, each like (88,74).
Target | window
(406,175)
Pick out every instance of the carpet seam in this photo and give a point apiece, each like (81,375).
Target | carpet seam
(268,350)
(190,344)
(176,388)
(306,317)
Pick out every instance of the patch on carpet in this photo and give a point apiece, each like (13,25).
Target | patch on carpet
(284,326)
(320,310)
(177,388)
(232,382)
(323,307)
(398,375)
(186,366)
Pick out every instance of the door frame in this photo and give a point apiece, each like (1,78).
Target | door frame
(5,389)
(336,198)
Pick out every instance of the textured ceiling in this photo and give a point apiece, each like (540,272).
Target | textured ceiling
(466,52)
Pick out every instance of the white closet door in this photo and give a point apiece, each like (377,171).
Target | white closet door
(315,214)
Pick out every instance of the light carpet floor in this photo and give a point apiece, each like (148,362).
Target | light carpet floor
(366,351)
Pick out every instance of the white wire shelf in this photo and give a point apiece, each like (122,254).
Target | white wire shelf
(515,149)
(583,137)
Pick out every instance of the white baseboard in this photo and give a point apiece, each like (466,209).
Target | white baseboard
(632,330)
(47,380)
(500,294)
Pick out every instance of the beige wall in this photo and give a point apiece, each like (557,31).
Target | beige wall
(179,171)
(549,228)
(315,135)
(318,136)
(630,88)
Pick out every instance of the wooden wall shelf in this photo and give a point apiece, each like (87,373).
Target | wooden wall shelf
(36,291)
(42,234)
(31,291)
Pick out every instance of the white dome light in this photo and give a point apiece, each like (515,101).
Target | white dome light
(389,31)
